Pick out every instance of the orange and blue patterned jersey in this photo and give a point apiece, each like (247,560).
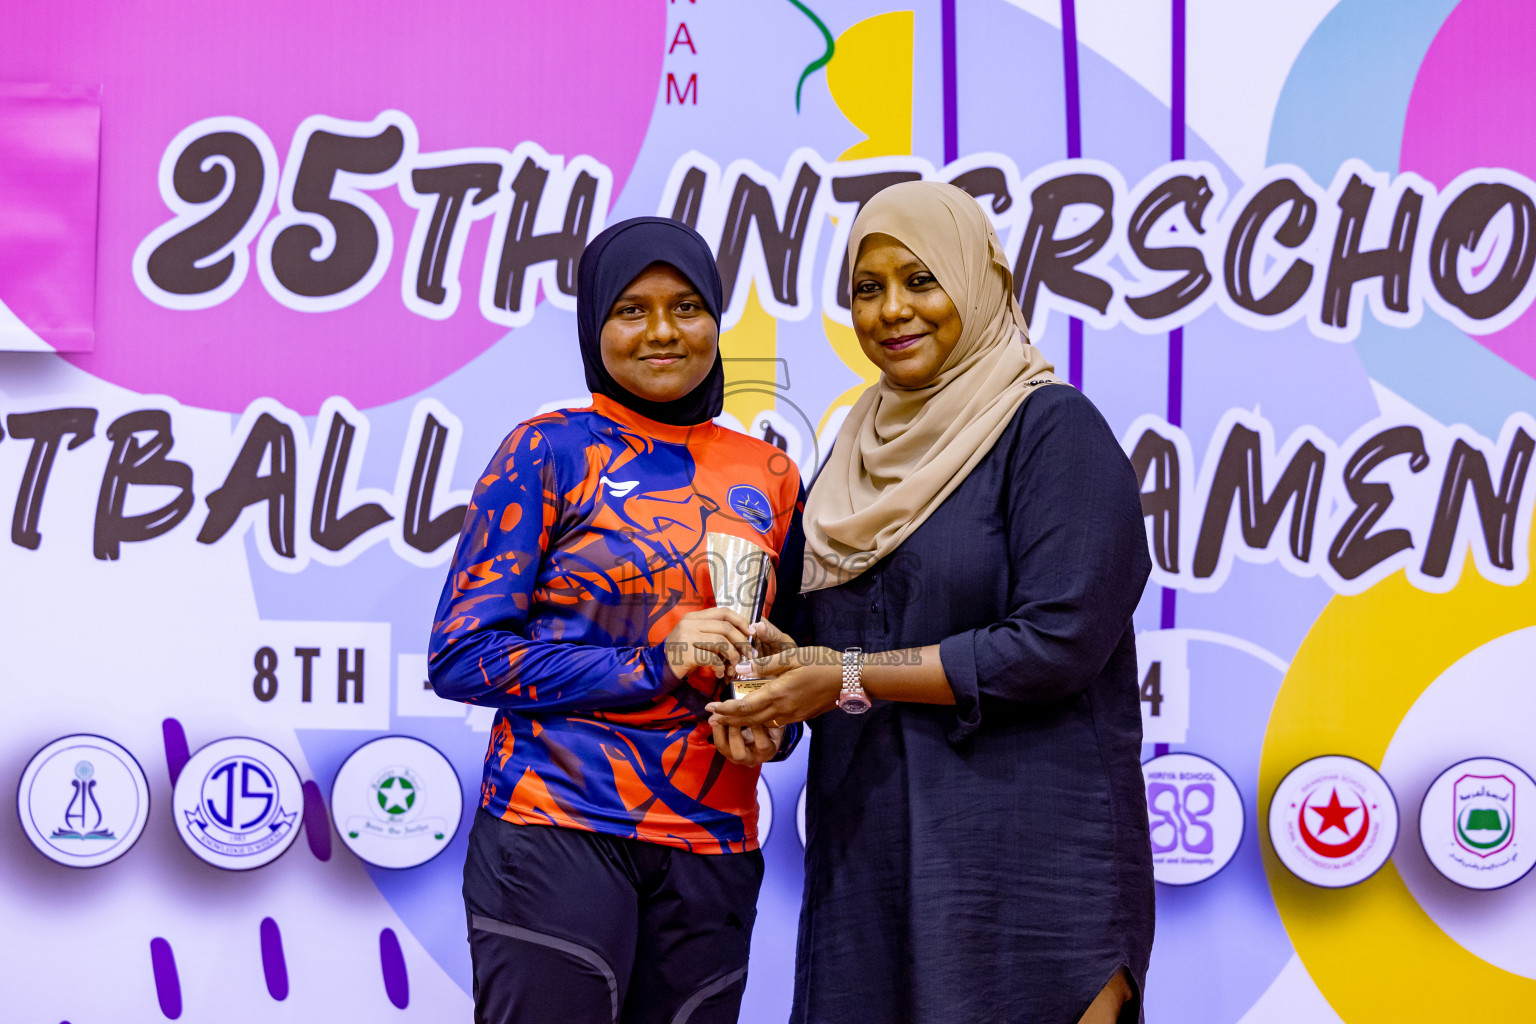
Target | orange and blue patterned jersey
(584,545)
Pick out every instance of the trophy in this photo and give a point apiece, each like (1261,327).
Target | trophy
(738,574)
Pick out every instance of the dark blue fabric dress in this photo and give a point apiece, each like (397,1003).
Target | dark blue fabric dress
(989,862)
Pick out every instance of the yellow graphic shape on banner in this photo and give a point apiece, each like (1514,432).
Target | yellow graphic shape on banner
(846,344)
(870,78)
(750,354)
(1371,949)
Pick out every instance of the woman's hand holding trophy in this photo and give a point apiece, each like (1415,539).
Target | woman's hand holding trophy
(738,572)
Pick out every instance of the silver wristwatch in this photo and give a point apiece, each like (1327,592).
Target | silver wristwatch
(853,699)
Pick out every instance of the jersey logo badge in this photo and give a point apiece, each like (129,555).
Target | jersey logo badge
(751,505)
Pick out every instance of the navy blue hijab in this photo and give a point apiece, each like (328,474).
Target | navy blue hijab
(608,264)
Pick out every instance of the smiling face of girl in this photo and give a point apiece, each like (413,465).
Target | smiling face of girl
(659,341)
(905,322)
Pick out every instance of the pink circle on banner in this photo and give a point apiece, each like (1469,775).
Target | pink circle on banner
(575,77)
(1471,107)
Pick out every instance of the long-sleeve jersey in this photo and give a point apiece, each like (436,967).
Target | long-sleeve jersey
(584,545)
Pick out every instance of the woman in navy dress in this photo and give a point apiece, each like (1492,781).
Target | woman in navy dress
(977,828)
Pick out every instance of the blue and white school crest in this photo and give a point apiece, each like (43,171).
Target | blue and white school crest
(751,504)
(238,803)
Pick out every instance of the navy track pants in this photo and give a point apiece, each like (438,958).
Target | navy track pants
(574,926)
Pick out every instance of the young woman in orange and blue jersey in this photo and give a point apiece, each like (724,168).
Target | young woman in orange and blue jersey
(613,869)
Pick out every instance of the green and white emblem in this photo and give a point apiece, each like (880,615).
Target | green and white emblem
(397,802)
(1470,823)
(395,792)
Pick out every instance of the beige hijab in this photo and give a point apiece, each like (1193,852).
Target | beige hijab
(902,451)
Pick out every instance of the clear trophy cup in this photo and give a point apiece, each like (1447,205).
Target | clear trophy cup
(738,574)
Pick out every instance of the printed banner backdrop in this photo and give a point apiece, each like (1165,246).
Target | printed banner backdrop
(1287,249)
(49,164)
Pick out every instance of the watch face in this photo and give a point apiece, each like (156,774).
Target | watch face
(853,703)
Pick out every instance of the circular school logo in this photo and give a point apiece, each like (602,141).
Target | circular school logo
(1197,817)
(751,504)
(83,801)
(396,802)
(1470,823)
(1333,821)
(238,803)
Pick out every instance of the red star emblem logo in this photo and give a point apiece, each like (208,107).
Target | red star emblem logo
(1333,815)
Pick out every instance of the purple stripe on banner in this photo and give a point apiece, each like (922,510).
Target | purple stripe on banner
(1177,106)
(1176,151)
(272,963)
(1176,377)
(1075,353)
(167,984)
(176,753)
(317,823)
(1175,336)
(951,88)
(1069,72)
(1074,150)
(396,985)
(1159,749)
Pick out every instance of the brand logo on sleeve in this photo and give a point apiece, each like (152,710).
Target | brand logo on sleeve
(618,488)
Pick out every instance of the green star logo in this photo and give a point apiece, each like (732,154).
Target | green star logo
(396,795)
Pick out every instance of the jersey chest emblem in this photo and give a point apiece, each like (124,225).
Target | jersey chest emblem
(751,505)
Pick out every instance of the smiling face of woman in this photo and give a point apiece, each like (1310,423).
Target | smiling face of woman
(659,341)
(905,323)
